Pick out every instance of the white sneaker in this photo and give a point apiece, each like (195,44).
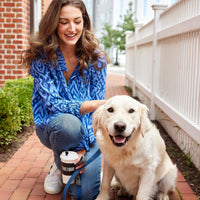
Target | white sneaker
(53,181)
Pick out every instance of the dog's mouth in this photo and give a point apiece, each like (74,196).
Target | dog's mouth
(119,140)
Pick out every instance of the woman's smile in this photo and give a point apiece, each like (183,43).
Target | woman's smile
(71,36)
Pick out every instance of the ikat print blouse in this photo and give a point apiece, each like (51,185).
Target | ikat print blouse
(53,96)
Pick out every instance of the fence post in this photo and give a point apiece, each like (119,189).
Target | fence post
(155,65)
(137,25)
(127,33)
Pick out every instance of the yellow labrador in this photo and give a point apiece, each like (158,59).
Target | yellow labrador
(133,150)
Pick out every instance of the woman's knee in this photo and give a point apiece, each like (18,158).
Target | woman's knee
(65,132)
(43,136)
(67,126)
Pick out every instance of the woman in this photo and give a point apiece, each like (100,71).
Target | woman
(69,74)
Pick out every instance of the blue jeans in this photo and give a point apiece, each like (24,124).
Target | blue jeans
(63,133)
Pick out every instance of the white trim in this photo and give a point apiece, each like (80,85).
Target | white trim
(37,14)
(129,76)
(185,123)
(130,45)
(159,6)
(146,40)
(144,89)
(184,27)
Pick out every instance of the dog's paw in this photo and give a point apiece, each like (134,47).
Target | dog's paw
(122,192)
(162,196)
(115,184)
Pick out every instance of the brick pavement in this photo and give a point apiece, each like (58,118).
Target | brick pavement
(22,177)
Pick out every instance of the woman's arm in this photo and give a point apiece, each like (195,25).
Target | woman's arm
(90,106)
(97,87)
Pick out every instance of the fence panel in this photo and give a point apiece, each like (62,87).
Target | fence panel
(144,72)
(172,40)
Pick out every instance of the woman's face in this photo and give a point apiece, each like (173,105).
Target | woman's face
(70,25)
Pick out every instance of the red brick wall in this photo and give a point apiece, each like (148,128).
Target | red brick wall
(14,32)
(45,4)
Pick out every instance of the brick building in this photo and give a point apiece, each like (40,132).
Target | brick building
(16,22)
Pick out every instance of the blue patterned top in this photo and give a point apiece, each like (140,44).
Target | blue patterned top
(53,96)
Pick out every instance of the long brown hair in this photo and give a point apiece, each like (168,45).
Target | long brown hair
(46,41)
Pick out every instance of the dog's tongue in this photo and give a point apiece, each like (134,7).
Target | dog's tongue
(119,139)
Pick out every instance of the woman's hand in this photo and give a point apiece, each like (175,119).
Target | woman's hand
(81,153)
(90,106)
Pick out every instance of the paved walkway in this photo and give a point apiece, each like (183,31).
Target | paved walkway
(22,177)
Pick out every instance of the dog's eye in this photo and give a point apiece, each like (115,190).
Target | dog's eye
(110,109)
(131,110)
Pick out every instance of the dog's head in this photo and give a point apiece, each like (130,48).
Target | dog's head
(119,118)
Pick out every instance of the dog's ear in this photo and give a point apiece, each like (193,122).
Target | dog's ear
(145,123)
(96,119)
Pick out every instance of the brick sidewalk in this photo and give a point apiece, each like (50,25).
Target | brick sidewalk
(22,177)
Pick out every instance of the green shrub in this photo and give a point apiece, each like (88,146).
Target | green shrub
(15,108)
(10,121)
(22,90)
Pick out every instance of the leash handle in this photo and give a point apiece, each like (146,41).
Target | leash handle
(92,158)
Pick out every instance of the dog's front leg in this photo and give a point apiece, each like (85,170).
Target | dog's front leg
(108,173)
(146,182)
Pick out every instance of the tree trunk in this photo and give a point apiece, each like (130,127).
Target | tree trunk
(116,61)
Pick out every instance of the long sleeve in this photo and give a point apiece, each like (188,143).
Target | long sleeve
(98,80)
(46,87)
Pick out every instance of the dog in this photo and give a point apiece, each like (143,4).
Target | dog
(133,150)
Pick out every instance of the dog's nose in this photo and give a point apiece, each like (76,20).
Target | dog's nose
(120,126)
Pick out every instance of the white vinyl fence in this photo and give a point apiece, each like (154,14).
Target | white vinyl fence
(163,69)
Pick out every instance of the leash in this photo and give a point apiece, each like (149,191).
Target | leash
(92,158)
